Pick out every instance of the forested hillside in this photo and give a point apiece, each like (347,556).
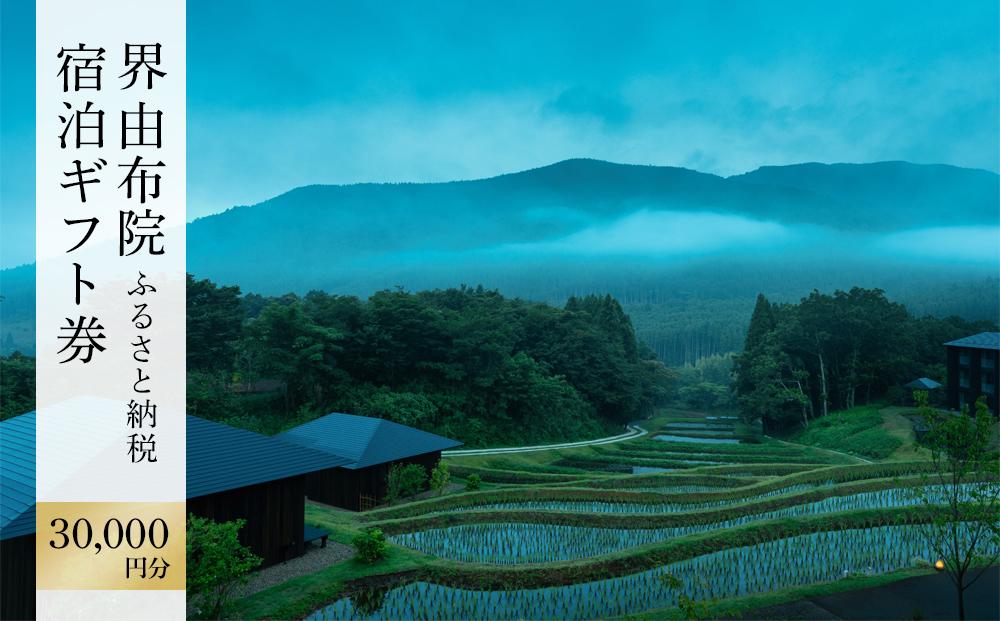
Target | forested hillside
(683,252)
(831,352)
(466,363)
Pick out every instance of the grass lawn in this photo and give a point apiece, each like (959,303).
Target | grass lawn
(897,425)
(859,431)
(300,596)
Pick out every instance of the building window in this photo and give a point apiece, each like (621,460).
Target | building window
(986,360)
(987,384)
(963,378)
(963,358)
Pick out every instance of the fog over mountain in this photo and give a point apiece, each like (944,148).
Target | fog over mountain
(684,251)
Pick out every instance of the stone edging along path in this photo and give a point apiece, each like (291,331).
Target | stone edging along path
(634,431)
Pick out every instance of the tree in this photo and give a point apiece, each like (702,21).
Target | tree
(750,368)
(440,477)
(965,502)
(404,480)
(405,408)
(465,362)
(473,482)
(704,396)
(214,322)
(830,352)
(370,545)
(216,562)
(17,385)
(296,350)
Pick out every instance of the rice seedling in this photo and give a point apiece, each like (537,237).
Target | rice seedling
(603,506)
(705,425)
(694,439)
(804,559)
(517,543)
(649,469)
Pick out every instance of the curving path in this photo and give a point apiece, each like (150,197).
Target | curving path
(634,431)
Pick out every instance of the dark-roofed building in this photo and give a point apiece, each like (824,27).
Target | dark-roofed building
(923,383)
(231,474)
(372,445)
(17,517)
(237,474)
(973,370)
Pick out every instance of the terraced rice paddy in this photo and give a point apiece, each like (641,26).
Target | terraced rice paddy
(707,425)
(575,506)
(678,489)
(586,525)
(674,438)
(518,543)
(704,431)
(732,572)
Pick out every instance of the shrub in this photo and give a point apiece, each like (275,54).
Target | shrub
(472,483)
(405,480)
(216,562)
(440,477)
(858,430)
(369,545)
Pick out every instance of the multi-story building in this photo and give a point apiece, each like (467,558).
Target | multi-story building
(973,370)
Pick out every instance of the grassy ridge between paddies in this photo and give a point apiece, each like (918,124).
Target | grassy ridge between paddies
(771,448)
(300,596)
(768,446)
(858,431)
(787,476)
(517,477)
(667,479)
(686,459)
(834,474)
(612,480)
(743,607)
(756,470)
(700,515)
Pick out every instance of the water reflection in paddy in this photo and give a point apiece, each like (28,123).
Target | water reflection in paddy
(733,572)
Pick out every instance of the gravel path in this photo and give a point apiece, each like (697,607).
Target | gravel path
(315,559)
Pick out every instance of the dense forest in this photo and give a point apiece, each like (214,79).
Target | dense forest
(466,363)
(829,352)
(17,385)
(657,239)
(684,315)
(490,370)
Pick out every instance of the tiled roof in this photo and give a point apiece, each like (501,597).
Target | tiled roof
(220,457)
(923,383)
(366,441)
(17,476)
(983,340)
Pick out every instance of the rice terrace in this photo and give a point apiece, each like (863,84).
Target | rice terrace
(701,517)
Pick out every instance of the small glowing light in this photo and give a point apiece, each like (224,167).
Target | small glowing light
(939,564)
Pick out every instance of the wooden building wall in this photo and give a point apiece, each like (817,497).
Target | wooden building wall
(17,578)
(978,363)
(274,514)
(343,487)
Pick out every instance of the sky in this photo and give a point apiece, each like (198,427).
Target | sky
(283,94)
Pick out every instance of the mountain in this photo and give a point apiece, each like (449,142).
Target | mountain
(684,251)
(341,236)
(892,193)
